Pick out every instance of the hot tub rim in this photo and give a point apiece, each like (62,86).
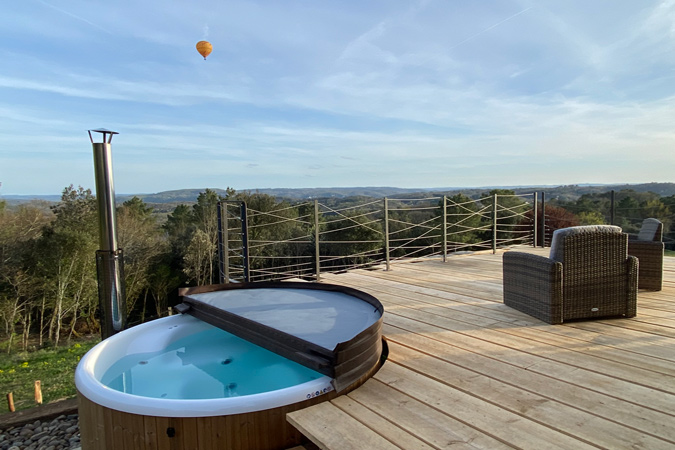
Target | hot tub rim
(89,386)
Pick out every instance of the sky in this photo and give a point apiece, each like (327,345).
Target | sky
(318,93)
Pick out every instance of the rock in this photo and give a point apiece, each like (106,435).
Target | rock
(62,433)
(36,436)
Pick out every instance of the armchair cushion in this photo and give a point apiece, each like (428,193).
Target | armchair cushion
(651,230)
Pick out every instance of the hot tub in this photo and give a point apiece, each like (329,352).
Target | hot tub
(180,382)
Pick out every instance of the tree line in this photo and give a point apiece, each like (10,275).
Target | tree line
(48,286)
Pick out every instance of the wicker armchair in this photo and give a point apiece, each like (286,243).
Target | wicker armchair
(648,248)
(588,274)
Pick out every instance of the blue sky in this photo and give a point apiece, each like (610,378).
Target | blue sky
(316,93)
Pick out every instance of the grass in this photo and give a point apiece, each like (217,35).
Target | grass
(54,367)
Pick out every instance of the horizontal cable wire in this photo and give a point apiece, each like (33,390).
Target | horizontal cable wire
(349,208)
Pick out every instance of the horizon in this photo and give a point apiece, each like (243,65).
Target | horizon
(299,94)
(413,189)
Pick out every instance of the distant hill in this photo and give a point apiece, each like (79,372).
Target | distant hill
(177,196)
(310,193)
(572,191)
(567,192)
(18,199)
(168,199)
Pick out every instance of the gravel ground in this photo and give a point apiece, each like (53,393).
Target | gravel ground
(57,434)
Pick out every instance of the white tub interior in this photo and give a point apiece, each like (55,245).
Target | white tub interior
(158,335)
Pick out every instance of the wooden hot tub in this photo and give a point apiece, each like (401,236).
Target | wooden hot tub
(180,381)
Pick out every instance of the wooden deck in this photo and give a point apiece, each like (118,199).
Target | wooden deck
(466,371)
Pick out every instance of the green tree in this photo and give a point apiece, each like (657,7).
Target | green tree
(659,210)
(591,218)
(19,291)
(179,228)
(193,234)
(627,214)
(199,259)
(163,280)
(144,245)
(201,253)
(64,258)
(276,233)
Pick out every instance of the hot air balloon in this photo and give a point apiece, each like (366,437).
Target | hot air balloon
(204,48)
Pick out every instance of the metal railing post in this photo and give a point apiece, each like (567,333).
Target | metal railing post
(611,208)
(226,245)
(317,253)
(494,223)
(535,206)
(445,228)
(543,219)
(244,242)
(223,245)
(386,234)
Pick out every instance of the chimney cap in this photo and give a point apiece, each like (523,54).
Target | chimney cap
(104,132)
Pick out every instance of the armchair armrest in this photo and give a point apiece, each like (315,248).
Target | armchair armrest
(533,285)
(633,267)
(652,247)
(650,256)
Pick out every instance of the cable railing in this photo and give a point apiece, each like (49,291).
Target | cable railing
(307,239)
(304,240)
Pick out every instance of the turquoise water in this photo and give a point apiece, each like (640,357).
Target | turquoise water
(206,365)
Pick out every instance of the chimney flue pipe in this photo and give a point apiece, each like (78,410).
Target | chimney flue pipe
(109,259)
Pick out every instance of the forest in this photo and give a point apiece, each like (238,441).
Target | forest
(48,285)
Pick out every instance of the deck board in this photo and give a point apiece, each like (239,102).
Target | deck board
(466,371)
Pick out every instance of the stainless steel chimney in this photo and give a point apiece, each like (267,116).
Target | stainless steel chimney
(109,259)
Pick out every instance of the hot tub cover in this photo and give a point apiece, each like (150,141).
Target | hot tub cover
(332,329)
